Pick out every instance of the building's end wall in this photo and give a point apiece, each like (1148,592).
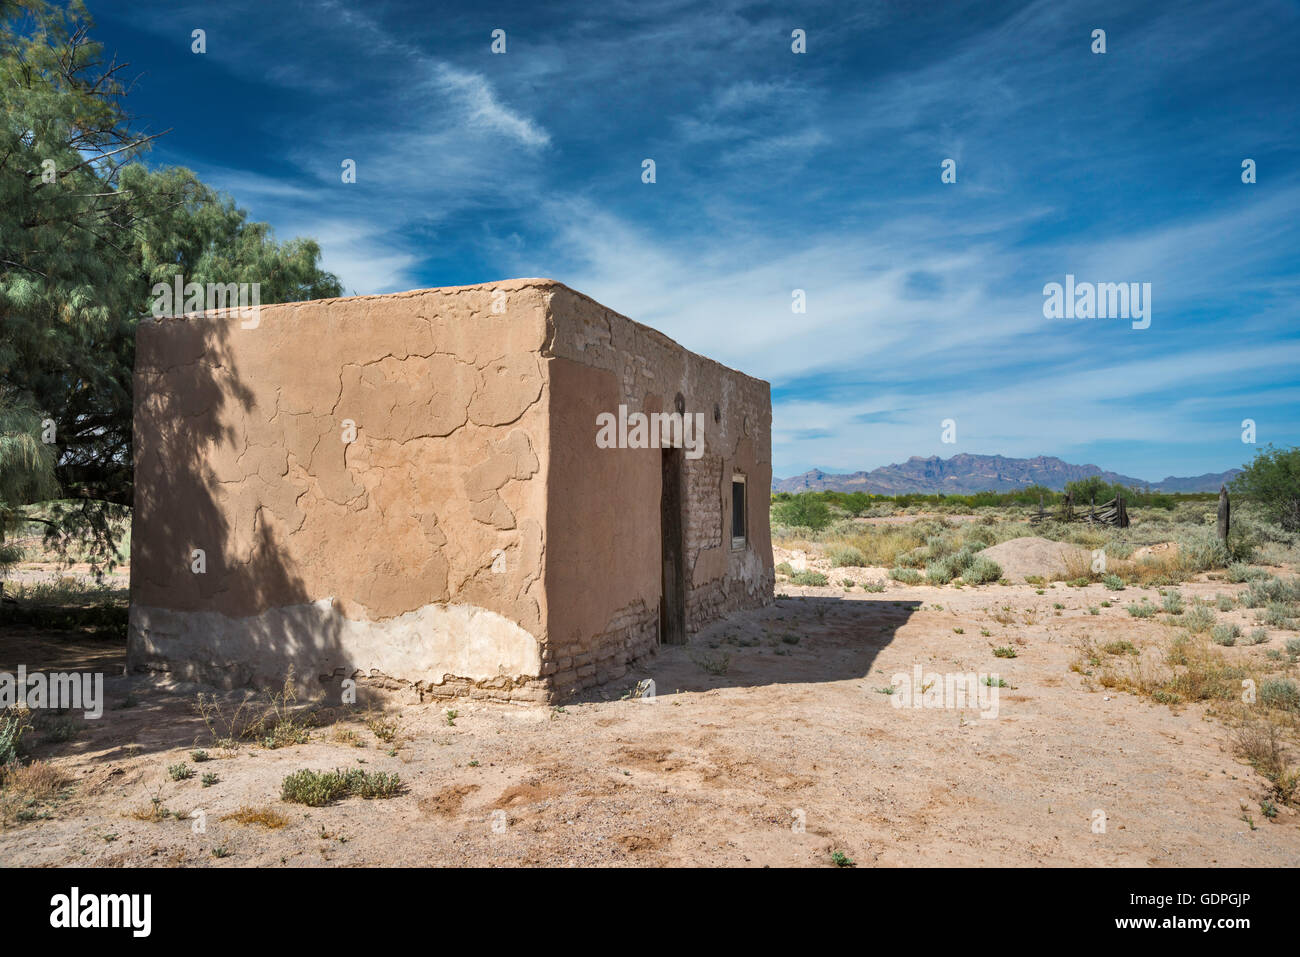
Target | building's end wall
(414,553)
(604,572)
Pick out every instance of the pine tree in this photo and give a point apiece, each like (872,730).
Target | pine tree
(85,233)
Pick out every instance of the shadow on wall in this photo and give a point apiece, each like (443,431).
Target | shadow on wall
(807,640)
(214,597)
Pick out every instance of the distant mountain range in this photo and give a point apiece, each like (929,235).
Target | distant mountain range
(964,473)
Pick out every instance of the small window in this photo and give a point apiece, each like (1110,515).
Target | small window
(738,524)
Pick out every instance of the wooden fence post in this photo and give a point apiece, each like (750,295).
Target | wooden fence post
(1224,509)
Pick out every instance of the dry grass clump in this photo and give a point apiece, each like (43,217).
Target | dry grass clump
(24,788)
(274,721)
(1191,669)
(1261,742)
(154,812)
(387,728)
(39,780)
(267,817)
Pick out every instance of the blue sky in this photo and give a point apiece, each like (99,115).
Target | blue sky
(819,171)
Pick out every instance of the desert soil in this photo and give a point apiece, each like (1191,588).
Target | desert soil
(789,756)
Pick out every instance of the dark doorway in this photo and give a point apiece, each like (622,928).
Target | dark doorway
(672,603)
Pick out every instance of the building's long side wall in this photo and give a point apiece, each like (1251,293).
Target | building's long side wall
(414,552)
(603,570)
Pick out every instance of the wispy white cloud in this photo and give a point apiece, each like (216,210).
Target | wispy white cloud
(482,107)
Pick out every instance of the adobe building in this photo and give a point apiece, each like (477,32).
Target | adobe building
(504,491)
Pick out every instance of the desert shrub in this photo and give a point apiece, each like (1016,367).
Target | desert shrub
(713,664)
(1225,634)
(1280,693)
(13,725)
(1269,590)
(938,573)
(785,568)
(1239,572)
(318,788)
(908,576)
(1257,637)
(873,585)
(1201,673)
(937,546)
(1225,602)
(1272,481)
(805,510)
(809,578)
(914,558)
(1278,615)
(1200,551)
(1293,647)
(884,545)
(1197,619)
(1144,609)
(38,781)
(953,565)
(274,723)
(1260,743)
(982,570)
(1113,582)
(1173,602)
(845,556)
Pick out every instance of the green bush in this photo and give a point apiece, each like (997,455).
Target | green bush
(1225,634)
(938,573)
(1143,610)
(954,565)
(982,570)
(1278,615)
(809,578)
(845,556)
(1280,693)
(805,510)
(1272,480)
(908,576)
(318,788)
(1200,551)
(1197,619)
(1266,590)
(13,724)
(1239,572)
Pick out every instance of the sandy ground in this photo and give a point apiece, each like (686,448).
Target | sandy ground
(790,755)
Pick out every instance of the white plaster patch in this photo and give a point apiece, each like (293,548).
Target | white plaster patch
(429,645)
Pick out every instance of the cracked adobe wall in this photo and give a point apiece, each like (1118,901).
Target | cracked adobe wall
(375,556)
(603,571)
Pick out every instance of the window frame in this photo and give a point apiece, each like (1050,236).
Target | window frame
(741,541)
